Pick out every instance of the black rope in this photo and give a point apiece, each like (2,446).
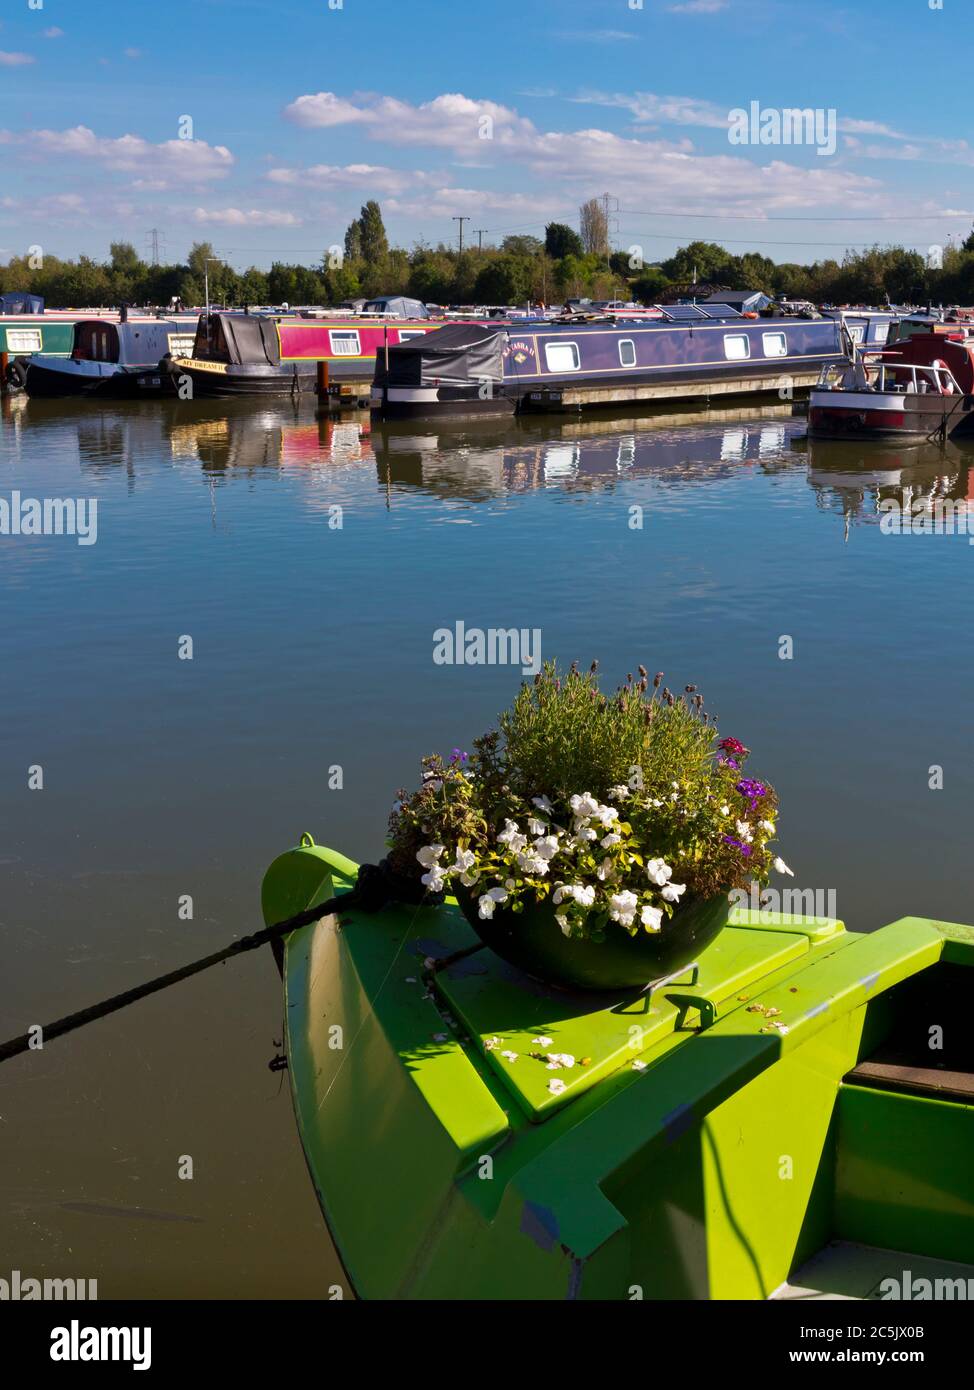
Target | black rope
(377,886)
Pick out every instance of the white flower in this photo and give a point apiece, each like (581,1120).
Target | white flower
(541,1042)
(725,810)
(564,923)
(610,840)
(651,917)
(619,793)
(555,1086)
(656,803)
(622,907)
(435,880)
(560,1059)
(672,892)
(745,831)
(658,872)
(509,883)
(546,846)
(535,826)
(429,854)
(605,869)
(768,827)
(491,1043)
(782,868)
(639,1066)
(489,901)
(510,1056)
(584,805)
(676,785)
(532,863)
(464,861)
(608,815)
(512,837)
(584,894)
(584,832)
(543,804)
(468,880)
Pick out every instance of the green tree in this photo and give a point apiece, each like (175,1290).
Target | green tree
(505,279)
(561,240)
(521,246)
(372,235)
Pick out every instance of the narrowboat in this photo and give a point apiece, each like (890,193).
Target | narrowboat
(921,387)
(27,335)
(687,351)
(240,354)
(791,1117)
(111,359)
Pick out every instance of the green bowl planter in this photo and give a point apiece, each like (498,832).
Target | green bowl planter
(533,941)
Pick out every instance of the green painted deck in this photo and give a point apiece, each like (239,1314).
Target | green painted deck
(719,1164)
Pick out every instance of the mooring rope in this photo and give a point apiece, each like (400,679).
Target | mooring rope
(377,886)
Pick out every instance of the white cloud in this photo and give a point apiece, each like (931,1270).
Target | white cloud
(15,60)
(378,178)
(649,108)
(325,109)
(133,52)
(698,7)
(54,33)
(236,217)
(175,161)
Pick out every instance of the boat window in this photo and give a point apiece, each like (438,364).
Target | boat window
(406,333)
(627,352)
(561,357)
(95,342)
(345,344)
(736,346)
(24,339)
(775,344)
(882,332)
(855,332)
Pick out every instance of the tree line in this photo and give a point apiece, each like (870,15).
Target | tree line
(563,264)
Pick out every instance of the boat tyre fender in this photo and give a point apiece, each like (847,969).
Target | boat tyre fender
(17,373)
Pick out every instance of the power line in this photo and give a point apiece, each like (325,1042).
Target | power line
(742,217)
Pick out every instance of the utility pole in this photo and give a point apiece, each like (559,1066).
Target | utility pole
(153,234)
(480,237)
(461,220)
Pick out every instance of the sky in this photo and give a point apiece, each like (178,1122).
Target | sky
(263,125)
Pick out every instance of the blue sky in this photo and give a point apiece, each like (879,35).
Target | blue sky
(510,112)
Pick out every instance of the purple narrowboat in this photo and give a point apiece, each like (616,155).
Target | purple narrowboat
(689,349)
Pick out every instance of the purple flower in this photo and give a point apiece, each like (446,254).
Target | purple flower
(752,790)
(727,762)
(738,844)
(458,756)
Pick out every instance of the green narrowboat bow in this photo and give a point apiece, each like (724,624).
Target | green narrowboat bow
(792,1117)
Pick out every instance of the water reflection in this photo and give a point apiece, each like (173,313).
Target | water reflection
(483,461)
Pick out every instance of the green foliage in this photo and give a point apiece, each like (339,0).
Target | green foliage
(561,240)
(505,279)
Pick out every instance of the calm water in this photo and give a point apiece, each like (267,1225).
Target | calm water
(313,647)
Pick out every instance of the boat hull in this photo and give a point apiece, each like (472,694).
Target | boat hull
(651,1166)
(839,414)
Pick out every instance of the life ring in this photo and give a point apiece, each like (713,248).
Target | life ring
(946,386)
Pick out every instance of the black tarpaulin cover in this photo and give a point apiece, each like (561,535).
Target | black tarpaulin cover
(251,339)
(459,354)
(18,302)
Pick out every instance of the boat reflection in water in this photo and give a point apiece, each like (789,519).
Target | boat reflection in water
(856,480)
(524,453)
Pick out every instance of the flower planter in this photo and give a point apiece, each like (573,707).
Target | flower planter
(533,941)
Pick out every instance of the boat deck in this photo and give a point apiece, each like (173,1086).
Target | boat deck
(844,1270)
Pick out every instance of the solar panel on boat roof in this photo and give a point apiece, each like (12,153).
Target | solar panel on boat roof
(720,311)
(684,311)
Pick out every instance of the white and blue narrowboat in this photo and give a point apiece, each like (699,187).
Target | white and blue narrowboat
(473,369)
(114,360)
